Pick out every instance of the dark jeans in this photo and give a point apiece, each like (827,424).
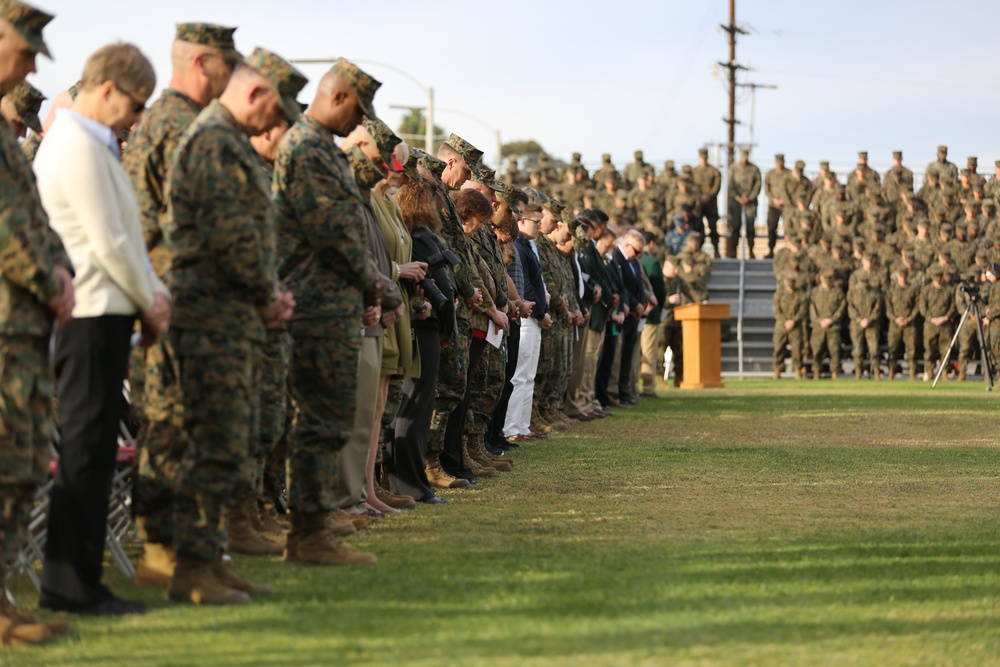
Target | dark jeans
(406,453)
(628,338)
(91,360)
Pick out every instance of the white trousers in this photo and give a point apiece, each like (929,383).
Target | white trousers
(518,421)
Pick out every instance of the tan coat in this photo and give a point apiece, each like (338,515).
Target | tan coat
(397,359)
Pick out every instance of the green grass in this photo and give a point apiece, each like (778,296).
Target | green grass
(768,523)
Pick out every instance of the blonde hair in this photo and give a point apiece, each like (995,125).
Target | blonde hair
(122,64)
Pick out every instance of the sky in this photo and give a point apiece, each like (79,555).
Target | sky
(597,77)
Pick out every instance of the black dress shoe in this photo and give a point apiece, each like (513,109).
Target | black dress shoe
(110,606)
(433,500)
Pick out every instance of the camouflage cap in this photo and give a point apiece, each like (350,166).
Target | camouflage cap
(469,153)
(638,155)
(942,149)
(669,165)
(577,157)
(207,34)
(687,170)
(570,219)
(410,168)
(744,150)
(702,152)
(27,100)
(989,203)
(366,172)
(287,80)
(824,165)
(554,206)
(828,273)
(384,137)
(973,160)
(862,155)
(779,157)
(487,177)
(431,163)
(509,195)
(996,163)
(606,157)
(364,85)
(800,165)
(28,22)
(897,155)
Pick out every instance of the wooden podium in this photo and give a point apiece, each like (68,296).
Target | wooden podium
(701,323)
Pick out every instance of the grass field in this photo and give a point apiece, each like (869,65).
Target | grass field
(769,523)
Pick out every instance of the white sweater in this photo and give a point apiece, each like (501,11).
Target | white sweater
(91,205)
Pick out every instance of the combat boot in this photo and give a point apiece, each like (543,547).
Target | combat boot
(438,478)
(961,374)
(478,451)
(777,372)
(339,523)
(277,516)
(858,370)
(15,633)
(195,581)
(478,469)
(224,572)
(310,543)
(23,618)
(394,500)
(913,371)
(876,372)
(243,537)
(891,372)
(539,424)
(156,566)
(261,522)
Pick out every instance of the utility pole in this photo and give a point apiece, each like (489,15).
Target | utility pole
(732,66)
(753,100)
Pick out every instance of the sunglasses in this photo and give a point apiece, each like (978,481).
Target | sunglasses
(137,106)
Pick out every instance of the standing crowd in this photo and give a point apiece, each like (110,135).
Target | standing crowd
(319,324)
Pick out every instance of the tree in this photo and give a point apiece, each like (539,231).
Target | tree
(524,147)
(413,129)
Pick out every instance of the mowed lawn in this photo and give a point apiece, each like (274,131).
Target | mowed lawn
(768,523)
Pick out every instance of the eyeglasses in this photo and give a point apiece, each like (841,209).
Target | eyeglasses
(537,221)
(137,106)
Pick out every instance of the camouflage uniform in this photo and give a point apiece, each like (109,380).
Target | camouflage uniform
(744,182)
(154,375)
(896,179)
(903,301)
(27,100)
(550,359)
(774,188)
(709,180)
(826,302)
(790,305)
(29,253)
(864,302)
(634,170)
(941,168)
(936,302)
(221,273)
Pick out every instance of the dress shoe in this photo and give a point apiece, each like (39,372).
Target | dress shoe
(109,606)
(434,500)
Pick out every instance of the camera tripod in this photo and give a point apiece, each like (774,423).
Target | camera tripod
(973,307)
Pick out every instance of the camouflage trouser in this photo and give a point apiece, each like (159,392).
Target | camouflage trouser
(137,380)
(26,389)
(273,411)
(862,337)
(486,385)
(548,370)
(968,343)
(219,381)
(793,339)
(161,442)
(453,376)
(826,342)
(936,342)
(905,337)
(324,382)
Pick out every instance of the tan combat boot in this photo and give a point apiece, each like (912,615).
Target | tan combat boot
(195,580)
(538,423)
(264,526)
(438,478)
(224,572)
(155,566)
(339,523)
(15,633)
(23,618)
(858,370)
(310,543)
(478,469)
(394,500)
(277,516)
(876,372)
(777,372)
(478,451)
(243,537)
(913,371)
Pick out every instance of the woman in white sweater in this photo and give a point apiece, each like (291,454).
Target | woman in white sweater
(91,205)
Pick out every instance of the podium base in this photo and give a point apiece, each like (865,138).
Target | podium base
(702,385)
